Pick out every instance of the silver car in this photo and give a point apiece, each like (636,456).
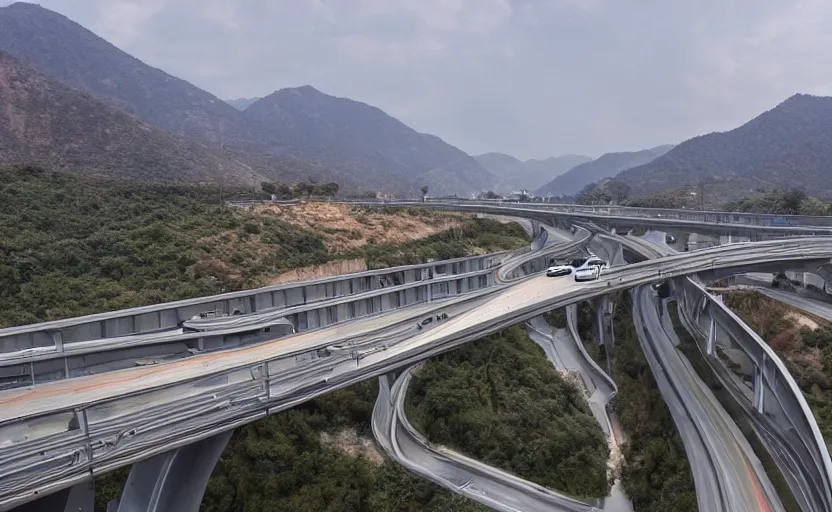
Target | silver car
(588,274)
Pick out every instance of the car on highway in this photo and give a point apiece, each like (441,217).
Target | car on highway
(576,264)
(424,322)
(587,274)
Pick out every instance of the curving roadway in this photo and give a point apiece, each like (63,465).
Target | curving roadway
(132,414)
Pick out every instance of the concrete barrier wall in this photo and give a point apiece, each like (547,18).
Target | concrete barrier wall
(51,336)
(793,437)
(74,359)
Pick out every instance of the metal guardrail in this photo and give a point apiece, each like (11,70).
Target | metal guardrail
(680,220)
(170,405)
(755,219)
(249,384)
(715,217)
(813,490)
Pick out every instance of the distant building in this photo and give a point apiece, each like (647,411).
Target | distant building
(522,195)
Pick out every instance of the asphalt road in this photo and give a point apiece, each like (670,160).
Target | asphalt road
(490,312)
(811,306)
(727,473)
(490,486)
(162,406)
(723,463)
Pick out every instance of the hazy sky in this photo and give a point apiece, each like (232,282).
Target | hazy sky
(531,78)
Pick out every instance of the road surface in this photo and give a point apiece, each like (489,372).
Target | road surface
(490,486)
(132,414)
(727,473)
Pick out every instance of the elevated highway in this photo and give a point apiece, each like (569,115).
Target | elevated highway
(725,223)
(492,487)
(773,406)
(64,431)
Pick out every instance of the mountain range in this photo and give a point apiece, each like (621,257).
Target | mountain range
(513,175)
(789,146)
(68,98)
(44,122)
(605,166)
(241,103)
(358,145)
(359,138)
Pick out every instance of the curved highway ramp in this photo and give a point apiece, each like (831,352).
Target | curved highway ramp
(60,431)
(487,485)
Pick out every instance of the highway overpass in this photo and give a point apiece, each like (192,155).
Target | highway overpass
(62,430)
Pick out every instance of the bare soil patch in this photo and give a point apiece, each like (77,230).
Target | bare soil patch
(345,227)
(348,441)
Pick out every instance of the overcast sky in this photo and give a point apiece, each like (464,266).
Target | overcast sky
(531,78)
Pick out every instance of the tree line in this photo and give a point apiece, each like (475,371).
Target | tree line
(282,191)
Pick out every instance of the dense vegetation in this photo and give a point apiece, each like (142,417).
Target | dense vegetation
(693,352)
(708,196)
(607,191)
(656,473)
(694,198)
(285,463)
(474,236)
(501,401)
(785,202)
(556,318)
(807,352)
(282,463)
(71,246)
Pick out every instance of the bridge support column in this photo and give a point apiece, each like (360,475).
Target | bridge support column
(78,498)
(173,481)
(605,312)
(759,389)
(711,338)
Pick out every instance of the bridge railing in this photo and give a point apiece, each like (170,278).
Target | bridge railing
(155,322)
(704,216)
(768,393)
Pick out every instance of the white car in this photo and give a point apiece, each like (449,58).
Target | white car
(587,274)
(575,265)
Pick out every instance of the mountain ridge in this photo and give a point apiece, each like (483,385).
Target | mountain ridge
(30,33)
(605,166)
(787,146)
(357,133)
(241,103)
(513,174)
(63,50)
(44,122)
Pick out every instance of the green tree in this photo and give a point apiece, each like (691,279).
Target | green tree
(284,191)
(501,401)
(329,189)
(268,188)
(301,189)
(617,190)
